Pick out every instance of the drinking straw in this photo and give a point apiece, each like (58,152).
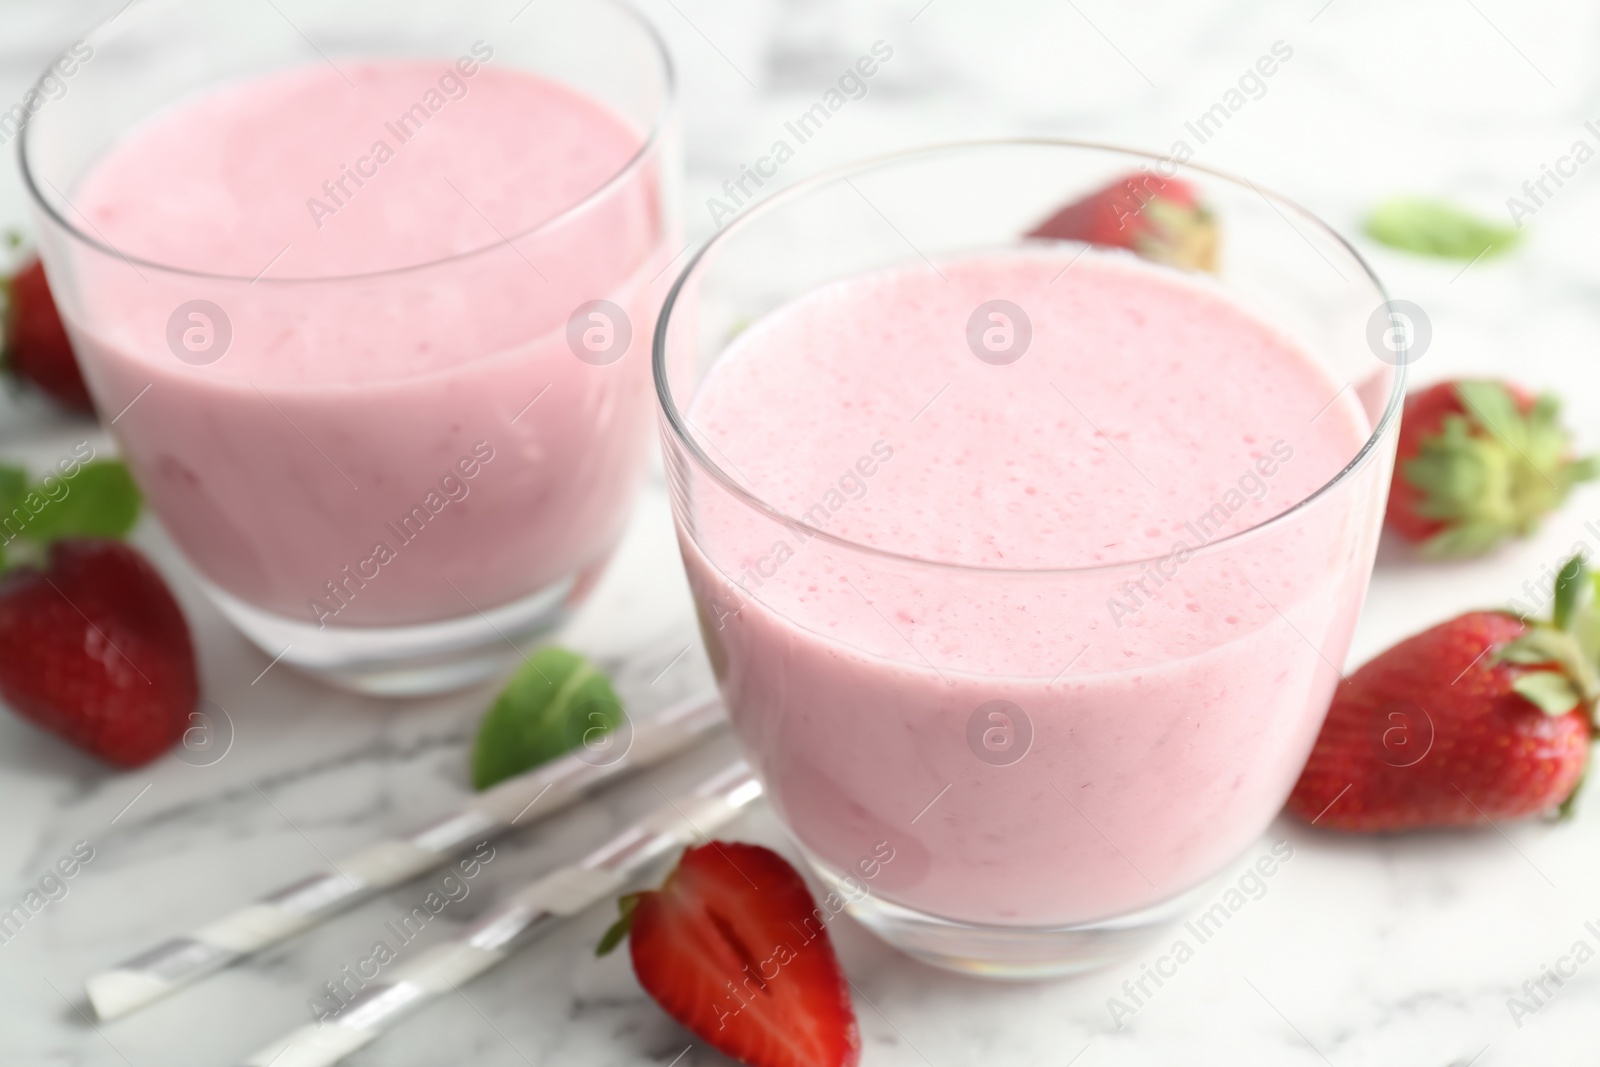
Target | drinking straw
(526,915)
(301,905)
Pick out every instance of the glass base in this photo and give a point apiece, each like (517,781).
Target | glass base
(418,660)
(1016,953)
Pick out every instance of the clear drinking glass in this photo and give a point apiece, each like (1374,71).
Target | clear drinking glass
(1046,816)
(496,505)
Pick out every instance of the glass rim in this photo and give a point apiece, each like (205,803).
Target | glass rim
(678,426)
(652,142)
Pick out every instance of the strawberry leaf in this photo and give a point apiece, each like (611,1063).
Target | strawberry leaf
(1586,623)
(619,929)
(1467,539)
(1491,406)
(1550,691)
(555,702)
(1568,585)
(1570,805)
(1493,472)
(1527,651)
(1436,228)
(101,500)
(1568,645)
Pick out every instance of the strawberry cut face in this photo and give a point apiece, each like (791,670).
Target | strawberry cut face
(735,949)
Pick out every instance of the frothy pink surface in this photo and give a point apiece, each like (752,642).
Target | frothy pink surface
(223,183)
(344,401)
(1148,411)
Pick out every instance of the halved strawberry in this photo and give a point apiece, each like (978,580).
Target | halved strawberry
(1161,219)
(733,947)
(1479,462)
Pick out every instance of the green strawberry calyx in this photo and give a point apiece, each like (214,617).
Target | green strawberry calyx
(1567,647)
(626,905)
(1494,471)
(1567,652)
(1179,235)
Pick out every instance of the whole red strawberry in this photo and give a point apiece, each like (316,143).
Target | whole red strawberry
(733,947)
(1479,462)
(36,346)
(96,650)
(1485,717)
(1161,219)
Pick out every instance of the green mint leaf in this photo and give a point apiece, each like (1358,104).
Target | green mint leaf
(1550,691)
(556,702)
(619,929)
(13,487)
(1435,228)
(100,500)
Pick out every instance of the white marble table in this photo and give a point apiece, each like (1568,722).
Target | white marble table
(1360,952)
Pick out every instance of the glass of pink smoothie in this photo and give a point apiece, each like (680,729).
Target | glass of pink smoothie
(364,292)
(1027,568)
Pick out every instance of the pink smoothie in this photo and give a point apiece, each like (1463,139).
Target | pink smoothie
(1170,704)
(399,429)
